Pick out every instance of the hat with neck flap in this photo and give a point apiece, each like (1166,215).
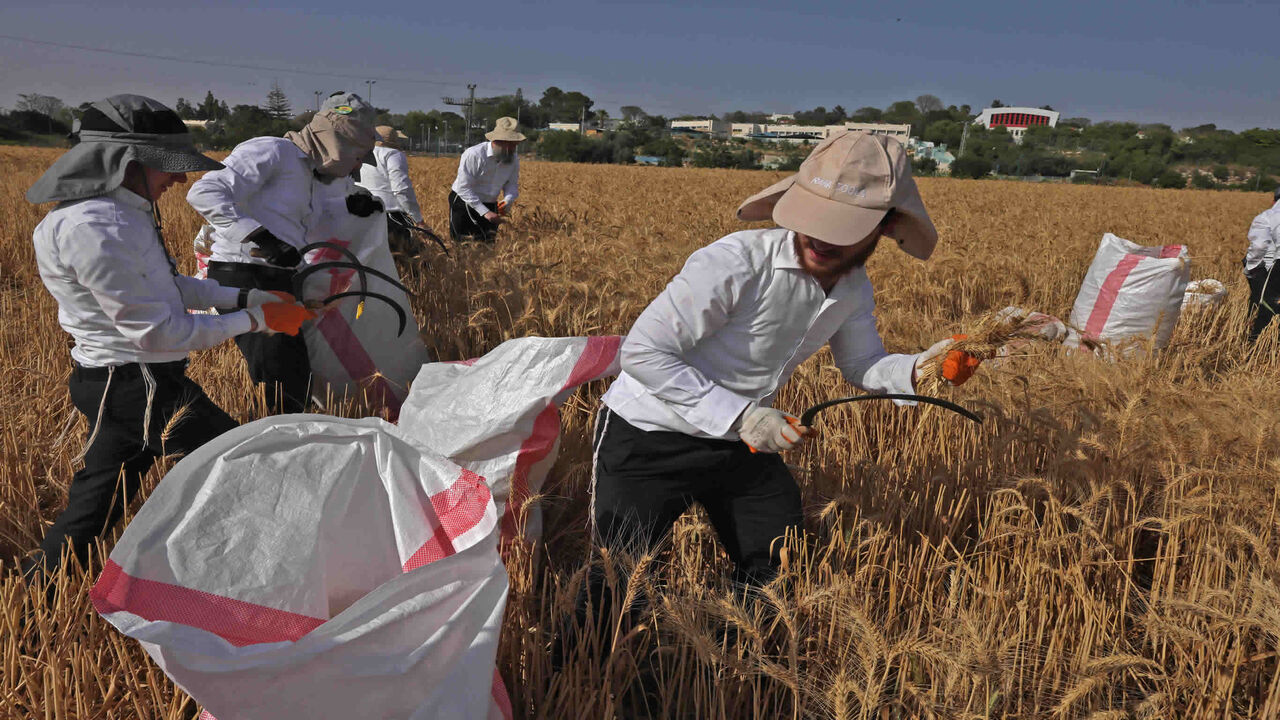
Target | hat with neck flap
(111,134)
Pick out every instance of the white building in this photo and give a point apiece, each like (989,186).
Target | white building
(901,132)
(800,133)
(782,118)
(1017,119)
(565,126)
(714,128)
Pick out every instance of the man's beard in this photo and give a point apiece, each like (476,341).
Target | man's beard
(844,268)
(506,158)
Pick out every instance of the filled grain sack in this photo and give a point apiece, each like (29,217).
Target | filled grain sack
(499,415)
(1203,294)
(1130,293)
(311,566)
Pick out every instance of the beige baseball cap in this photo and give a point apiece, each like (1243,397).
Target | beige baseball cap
(843,191)
(505,129)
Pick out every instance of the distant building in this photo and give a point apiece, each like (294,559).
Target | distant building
(782,118)
(648,160)
(1017,119)
(931,151)
(201,124)
(799,133)
(901,132)
(712,128)
(565,126)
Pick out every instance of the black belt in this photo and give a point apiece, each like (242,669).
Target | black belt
(128,370)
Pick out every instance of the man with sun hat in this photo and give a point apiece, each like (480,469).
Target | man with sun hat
(690,418)
(487,184)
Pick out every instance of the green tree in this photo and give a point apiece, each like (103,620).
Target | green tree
(46,105)
(971,166)
(867,115)
(1221,172)
(184,109)
(278,103)
(928,103)
(1170,178)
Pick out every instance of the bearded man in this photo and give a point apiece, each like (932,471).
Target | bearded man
(690,418)
(487,184)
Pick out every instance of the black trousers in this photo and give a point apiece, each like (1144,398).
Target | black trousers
(279,361)
(467,224)
(646,480)
(119,457)
(1264,287)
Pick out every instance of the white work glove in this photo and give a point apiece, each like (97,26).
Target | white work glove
(935,350)
(955,367)
(765,429)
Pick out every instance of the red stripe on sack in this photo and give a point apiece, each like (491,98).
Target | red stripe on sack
(356,361)
(1107,295)
(594,361)
(236,621)
(500,696)
(456,509)
(1170,251)
(204,715)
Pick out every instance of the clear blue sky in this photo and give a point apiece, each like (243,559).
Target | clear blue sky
(1181,63)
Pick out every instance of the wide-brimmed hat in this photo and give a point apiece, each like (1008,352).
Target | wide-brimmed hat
(111,134)
(844,190)
(390,136)
(350,105)
(505,129)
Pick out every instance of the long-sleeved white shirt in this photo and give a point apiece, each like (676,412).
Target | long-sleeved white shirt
(267,182)
(1264,239)
(117,296)
(481,177)
(733,326)
(389,182)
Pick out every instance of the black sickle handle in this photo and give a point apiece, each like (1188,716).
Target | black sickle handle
(807,418)
(300,277)
(404,320)
(424,231)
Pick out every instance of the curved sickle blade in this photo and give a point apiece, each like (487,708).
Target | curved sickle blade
(415,228)
(309,270)
(404,320)
(807,418)
(326,245)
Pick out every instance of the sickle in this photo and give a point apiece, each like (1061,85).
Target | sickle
(404,320)
(424,231)
(299,278)
(325,244)
(807,418)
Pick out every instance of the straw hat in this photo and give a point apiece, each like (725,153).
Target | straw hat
(843,191)
(390,136)
(505,129)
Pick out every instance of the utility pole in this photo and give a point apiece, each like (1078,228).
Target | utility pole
(964,137)
(318,93)
(369,84)
(519,103)
(582,121)
(470,104)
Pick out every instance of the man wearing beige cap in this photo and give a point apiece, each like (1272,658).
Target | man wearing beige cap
(389,181)
(690,418)
(487,184)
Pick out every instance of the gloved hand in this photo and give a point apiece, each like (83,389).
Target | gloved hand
(363,204)
(273,249)
(279,317)
(957,366)
(765,429)
(262,297)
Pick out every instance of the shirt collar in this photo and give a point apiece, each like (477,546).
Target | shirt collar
(488,148)
(130,198)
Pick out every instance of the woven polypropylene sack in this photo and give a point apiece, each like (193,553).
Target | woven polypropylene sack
(316,567)
(1206,293)
(499,415)
(1130,292)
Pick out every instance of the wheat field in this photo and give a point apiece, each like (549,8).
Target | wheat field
(1104,546)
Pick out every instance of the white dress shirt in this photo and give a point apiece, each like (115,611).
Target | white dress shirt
(481,176)
(733,326)
(1264,239)
(267,182)
(117,296)
(389,182)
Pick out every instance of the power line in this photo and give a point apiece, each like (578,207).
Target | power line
(267,68)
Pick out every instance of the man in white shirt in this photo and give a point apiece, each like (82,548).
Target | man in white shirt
(389,181)
(488,183)
(1259,263)
(690,418)
(120,297)
(259,208)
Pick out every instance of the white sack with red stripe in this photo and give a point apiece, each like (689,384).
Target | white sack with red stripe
(364,356)
(499,416)
(304,566)
(1131,292)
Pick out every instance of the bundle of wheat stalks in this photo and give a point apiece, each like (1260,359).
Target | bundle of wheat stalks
(992,332)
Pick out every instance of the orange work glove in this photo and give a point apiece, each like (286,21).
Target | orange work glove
(279,317)
(958,366)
